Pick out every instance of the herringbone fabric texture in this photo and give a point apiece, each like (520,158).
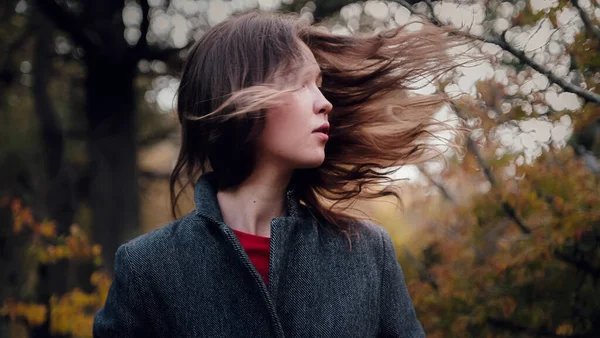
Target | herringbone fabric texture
(192,278)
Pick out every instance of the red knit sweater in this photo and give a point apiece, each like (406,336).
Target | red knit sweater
(257,248)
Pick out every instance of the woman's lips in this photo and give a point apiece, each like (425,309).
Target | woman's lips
(322,136)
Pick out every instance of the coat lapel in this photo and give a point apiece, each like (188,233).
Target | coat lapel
(282,228)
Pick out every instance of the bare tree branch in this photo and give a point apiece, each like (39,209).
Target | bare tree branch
(407,5)
(439,185)
(501,42)
(589,25)
(472,147)
(432,18)
(326,8)
(512,213)
(509,210)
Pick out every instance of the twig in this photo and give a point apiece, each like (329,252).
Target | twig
(587,22)
(472,147)
(509,210)
(512,213)
(433,19)
(439,185)
(501,42)
(407,5)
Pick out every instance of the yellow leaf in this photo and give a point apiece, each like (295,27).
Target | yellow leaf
(564,329)
(96,250)
(48,229)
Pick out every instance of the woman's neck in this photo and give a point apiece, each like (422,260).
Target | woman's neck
(250,206)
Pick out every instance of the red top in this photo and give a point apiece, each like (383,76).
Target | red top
(257,248)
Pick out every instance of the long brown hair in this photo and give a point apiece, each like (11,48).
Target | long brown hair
(376,125)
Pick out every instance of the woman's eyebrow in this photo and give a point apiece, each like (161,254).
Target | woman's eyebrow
(315,73)
(312,73)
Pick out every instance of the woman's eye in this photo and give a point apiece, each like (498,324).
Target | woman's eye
(318,84)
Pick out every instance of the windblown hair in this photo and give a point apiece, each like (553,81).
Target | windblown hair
(230,78)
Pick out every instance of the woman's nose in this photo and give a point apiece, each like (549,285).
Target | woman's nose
(324,106)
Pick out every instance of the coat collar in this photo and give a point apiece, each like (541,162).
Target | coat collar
(282,228)
(205,198)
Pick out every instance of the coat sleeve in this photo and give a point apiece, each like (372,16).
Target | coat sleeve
(122,314)
(397,314)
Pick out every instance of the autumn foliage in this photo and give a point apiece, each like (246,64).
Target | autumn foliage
(483,275)
(503,242)
(508,248)
(67,314)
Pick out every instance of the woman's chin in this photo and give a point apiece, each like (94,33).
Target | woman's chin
(319,162)
(314,162)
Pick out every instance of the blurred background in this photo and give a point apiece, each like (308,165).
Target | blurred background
(498,240)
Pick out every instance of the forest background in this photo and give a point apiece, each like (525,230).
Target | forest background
(498,240)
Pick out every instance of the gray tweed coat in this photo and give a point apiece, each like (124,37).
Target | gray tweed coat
(192,278)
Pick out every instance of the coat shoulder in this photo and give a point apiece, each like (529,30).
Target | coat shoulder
(365,237)
(373,233)
(154,244)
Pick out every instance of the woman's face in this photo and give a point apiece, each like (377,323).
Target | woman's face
(288,137)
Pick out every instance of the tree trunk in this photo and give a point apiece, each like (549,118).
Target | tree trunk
(12,261)
(111,141)
(55,188)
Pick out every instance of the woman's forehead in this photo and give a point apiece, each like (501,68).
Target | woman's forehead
(307,56)
(307,63)
(300,69)
(300,72)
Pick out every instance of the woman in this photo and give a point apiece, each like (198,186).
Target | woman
(277,115)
